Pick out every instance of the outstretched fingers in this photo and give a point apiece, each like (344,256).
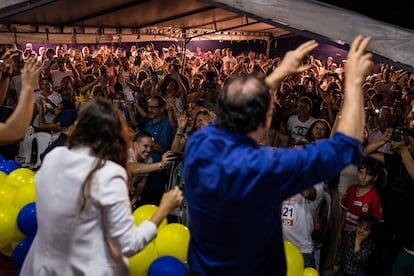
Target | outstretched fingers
(31,72)
(359,45)
(307,47)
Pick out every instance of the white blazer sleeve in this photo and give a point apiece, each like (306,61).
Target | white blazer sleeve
(118,221)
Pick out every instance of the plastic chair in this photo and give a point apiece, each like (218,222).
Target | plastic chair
(42,140)
(34,146)
(23,144)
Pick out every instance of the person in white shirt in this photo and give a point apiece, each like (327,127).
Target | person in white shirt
(299,124)
(51,100)
(85,225)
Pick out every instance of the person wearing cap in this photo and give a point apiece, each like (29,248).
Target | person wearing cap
(398,194)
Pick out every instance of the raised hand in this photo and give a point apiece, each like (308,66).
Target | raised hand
(182,119)
(293,60)
(172,199)
(30,74)
(359,63)
(292,63)
(7,64)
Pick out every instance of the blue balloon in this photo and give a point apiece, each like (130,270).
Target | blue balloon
(20,251)
(26,220)
(167,266)
(2,158)
(8,166)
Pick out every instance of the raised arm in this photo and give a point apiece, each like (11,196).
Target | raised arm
(16,126)
(359,65)
(406,156)
(6,71)
(292,63)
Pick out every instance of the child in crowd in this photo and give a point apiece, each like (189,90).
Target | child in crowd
(362,198)
(354,254)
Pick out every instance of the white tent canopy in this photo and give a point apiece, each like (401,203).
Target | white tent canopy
(103,21)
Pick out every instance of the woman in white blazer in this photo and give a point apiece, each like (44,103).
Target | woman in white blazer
(85,226)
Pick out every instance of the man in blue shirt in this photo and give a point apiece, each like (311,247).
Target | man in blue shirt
(159,126)
(161,129)
(235,187)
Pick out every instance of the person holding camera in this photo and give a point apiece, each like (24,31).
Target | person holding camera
(398,194)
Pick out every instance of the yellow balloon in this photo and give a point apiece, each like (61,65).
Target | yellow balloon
(19,177)
(7,194)
(8,224)
(173,240)
(294,259)
(3,177)
(310,271)
(139,263)
(145,212)
(24,195)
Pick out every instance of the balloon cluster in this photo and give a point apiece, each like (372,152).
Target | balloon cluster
(166,255)
(295,262)
(18,223)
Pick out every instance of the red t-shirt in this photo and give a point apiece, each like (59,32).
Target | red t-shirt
(356,206)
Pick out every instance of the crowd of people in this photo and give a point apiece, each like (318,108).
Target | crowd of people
(256,165)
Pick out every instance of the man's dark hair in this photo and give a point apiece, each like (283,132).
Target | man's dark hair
(48,78)
(142,134)
(199,102)
(372,165)
(370,220)
(243,104)
(161,101)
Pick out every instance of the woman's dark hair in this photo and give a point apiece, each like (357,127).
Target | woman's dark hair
(309,136)
(202,111)
(142,75)
(243,104)
(102,128)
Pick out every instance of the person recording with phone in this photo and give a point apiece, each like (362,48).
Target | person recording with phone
(398,194)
